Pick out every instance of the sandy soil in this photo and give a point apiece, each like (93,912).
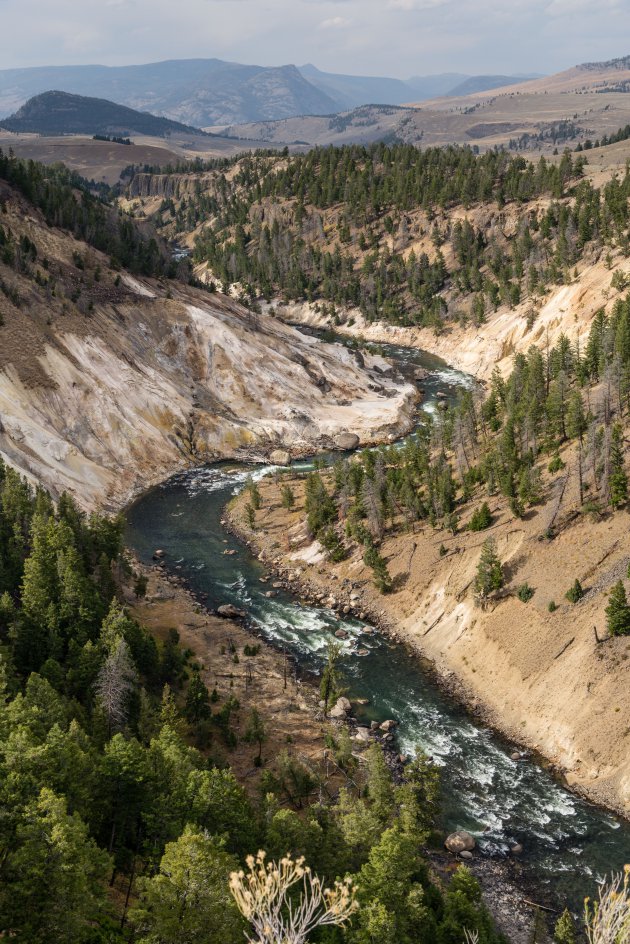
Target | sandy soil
(293,721)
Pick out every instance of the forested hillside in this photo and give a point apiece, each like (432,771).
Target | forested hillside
(115,827)
(410,237)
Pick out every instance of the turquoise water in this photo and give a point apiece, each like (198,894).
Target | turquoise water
(568,844)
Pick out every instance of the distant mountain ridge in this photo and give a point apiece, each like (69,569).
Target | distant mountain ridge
(63,113)
(207,92)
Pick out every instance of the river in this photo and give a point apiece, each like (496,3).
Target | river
(568,844)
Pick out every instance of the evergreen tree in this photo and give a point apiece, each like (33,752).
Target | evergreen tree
(53,886)
(618,482)
(489,576)
(189,899)
(618,611)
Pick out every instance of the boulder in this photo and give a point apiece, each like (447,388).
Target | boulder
(343,703)
(159,553)
(280,457)
(388,725)
(337,713)
(465,854)
(346,441)
(227,611)
(516,849)
(341,634)
(460,841)
(362,734)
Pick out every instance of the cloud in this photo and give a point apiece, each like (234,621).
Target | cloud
(335,22)
(416,4)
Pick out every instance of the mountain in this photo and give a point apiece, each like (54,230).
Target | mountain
(485,83)
(64,113)
(585,103)
(198,92)
(433,86)
(350,91)
(205,92)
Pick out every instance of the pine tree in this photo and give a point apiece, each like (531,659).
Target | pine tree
(189,900)
(575,592)
(618,478)
(618,611)
(256,733)
(564,931)
(197,707)
(489,576)
(288,497)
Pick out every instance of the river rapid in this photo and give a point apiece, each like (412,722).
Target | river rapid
(568,844)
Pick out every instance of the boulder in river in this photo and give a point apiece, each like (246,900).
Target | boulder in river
(280,457)
(341,634)
(227,611)
(460,841)
(347,441)
(388,725)
(344,703)
(158,554)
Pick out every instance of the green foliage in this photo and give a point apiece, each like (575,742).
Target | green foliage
(489,577)
(256,733)
(189,900)
(552,606)
(575,592)
(288,497)
(556,464)
(565,931)
(66,202)
(481,518)
(618,611)
(618,476)
(331,541)
(53,875)
(525,592)
(319,505)
(329,685)
(255,498)
(381,575)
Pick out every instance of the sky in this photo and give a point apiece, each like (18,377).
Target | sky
(364,37)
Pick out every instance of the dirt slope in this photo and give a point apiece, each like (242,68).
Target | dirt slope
(108,383)
(539,676)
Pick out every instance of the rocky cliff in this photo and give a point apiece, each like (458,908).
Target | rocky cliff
(109,383)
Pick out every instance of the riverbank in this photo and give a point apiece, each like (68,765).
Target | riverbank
(293,719)
(539,677)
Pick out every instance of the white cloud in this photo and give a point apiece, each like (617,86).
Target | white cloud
(416,4)
(335,22)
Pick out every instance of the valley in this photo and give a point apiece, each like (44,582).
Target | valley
(314,499)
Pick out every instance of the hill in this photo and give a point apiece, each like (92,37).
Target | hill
(115,372)
(207,92)
(199,92)
(541,114)
(53,113)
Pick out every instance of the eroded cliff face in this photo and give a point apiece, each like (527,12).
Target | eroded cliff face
(109,383)
(567,309)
